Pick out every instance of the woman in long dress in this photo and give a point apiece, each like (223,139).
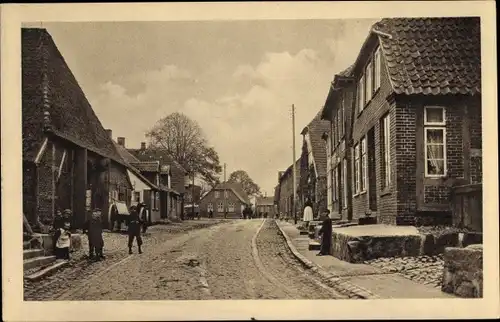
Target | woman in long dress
(308,213)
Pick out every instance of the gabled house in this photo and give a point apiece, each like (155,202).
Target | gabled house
(265,205)
(286,191)
(69,161)
(313,165)
(145,180)
(172,179)
(339,112)
(225,198)
(417,122)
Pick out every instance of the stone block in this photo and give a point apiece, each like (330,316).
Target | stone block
(472,238)
(463,271)
(367,221)
(446,240)
(428,246)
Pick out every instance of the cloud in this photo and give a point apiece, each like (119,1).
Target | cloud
(252,130)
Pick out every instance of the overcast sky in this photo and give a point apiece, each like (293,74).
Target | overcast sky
(237,79)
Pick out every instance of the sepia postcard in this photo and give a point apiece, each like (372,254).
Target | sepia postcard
(249,161)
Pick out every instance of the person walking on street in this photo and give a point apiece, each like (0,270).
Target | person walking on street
(326,234)
(93,229)
(134,230)
(144,216)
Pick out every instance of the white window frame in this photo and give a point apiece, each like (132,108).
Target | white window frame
(342,113)
(226,194)
(361,93)
(336,175)
(386,124)
(368,82)
(435,123)
(445,167)
(217,194)
(377,69)
(230,207)
(364,165)
(344,185)
(435,126)
(357,169)
(220,206)
(210,206)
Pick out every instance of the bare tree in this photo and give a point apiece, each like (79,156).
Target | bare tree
(184,140)
(248,185)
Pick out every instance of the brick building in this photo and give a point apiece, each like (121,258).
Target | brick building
(339,112)
(286,191)
(416,130)
(224,198)
(171,176)
(265,205)
(145,177)
(313,165)
(69,161)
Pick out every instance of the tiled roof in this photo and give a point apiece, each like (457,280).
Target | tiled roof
(432,56)
(147,166)
(71,115)
(178,172)
(127,156)
(264,201)
(236,188)
(316,129)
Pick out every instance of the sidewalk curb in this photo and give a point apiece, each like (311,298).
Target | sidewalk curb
(332,280)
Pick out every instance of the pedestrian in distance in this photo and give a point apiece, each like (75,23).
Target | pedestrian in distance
(308,213)
(63,242)
(57,224)
(134,230)
(144,216)
(326,233)
(93,229)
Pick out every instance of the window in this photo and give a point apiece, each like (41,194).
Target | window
(210,207)
(339,125)
(361,92)
(189,198)
(435,141)
(344,182)
(386,149)
(220,207)
(231,207)
(342,119)
(364,165)
(334,184)
(226,193)
(329,185)
(137,196)
(336,176)
(356,169)
(369,82)
(217,194)
(376,69)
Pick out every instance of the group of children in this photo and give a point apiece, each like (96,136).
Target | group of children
(93,228)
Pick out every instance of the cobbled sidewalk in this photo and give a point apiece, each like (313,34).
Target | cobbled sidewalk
(115,250)
(383,279)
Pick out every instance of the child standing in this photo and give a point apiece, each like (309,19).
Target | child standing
(63,237)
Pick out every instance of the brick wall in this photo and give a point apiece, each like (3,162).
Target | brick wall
(210,198)
(370,118)
(476,166)
(45,186)
(29,191)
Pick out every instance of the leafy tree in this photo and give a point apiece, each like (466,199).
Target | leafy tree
(249,186)
(184,140)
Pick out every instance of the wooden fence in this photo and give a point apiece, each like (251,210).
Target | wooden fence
(467,206)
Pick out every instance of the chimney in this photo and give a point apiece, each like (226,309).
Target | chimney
(110,133)
(143,145)
(121,141)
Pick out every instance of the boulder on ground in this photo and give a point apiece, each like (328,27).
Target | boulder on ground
(463,271)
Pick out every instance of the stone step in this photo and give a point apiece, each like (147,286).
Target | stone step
(38,261)
(314,245)
(30,253)
(46,271)
(304,232)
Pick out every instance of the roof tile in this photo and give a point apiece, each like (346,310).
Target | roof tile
(445,54)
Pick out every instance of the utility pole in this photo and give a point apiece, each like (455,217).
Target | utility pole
(294,170)
(192,197)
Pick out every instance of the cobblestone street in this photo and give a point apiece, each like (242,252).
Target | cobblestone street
(230,260)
